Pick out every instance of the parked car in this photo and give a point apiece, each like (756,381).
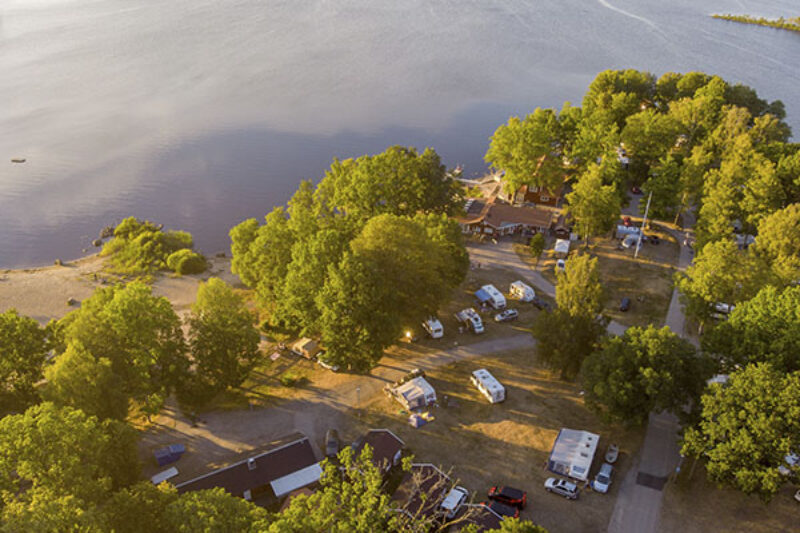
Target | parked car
(626,221)
(561,265)
(324,364)
(562,487)
(509,496)
(612,453)
(332,443)
(602,481)
(457,497)
(502,509)
(625,304)
(636,190)
(541,304)
(506,316)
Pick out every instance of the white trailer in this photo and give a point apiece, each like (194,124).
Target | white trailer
(433,327)
(522,291)
(471,319)
(488,385)
(496,298)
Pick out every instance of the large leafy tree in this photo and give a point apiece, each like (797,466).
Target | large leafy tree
(593,205)
(80,380)
(65,452)
(620,93)
(222,340)
(721,273)
(139,333)
(23,349)
(360,313)
(350,499)
(530,150)
(763,329)
(399,181)
(666,187)
(564,340)
(747,428)
(646,369)
(779,242)
(211,511)
(649,136)
(578,289)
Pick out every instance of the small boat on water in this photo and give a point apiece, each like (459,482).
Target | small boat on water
(18,160)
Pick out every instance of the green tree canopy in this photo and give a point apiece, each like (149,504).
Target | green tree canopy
(721,273)
(594,206)
(23,348)
(530,150)
(645,370)
(141,247)
(350,499)
(578,288)
(360,313)
(747,428)
(779,242)
(222,340)
(139,333)
(564,340)
(79,380)
(763,329)
(63,451)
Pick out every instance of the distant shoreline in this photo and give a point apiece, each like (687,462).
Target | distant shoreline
(792,24)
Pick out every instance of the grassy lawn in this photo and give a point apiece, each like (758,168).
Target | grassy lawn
(698,506)
(506,443)
(646,280)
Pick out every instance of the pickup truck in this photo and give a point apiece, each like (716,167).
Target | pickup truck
(471,319)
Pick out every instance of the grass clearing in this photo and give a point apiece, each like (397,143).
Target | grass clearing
(507,443)
(646,280)
(698,506)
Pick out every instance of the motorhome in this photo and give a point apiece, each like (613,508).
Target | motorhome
(488,385)
(496,298)
(433,327)
(470,319)
(522,291)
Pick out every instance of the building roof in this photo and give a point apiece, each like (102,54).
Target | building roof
(574,449)
(423,478)
(296,480)
(292,454)
(384,444)
(500,215)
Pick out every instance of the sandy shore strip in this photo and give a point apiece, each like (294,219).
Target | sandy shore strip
(42,293)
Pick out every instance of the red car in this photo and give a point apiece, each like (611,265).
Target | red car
(509,496)
(627,221)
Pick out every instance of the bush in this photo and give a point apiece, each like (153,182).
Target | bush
(290,380)
(185,261)
(140,248)
(537,245)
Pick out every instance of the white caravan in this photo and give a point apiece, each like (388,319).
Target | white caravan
(433,327)
(522,291)
(488,385)
(496,298)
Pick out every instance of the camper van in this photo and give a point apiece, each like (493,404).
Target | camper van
(488,385)
(522,291)
(471,319)
(496,298)
(433,327)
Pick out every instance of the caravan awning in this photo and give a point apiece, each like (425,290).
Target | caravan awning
(303,477)
(482,295)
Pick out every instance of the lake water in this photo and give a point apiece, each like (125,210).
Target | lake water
(201,113)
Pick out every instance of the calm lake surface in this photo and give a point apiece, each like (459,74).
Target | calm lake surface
(201,113)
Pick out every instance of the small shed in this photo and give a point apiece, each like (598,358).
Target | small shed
(573,453)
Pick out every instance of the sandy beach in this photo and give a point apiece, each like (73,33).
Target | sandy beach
(42,293)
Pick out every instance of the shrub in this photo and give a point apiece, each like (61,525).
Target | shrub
(140,247)
(537,245)
(185,261)
(290,380)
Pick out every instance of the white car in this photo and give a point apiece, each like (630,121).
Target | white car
(563,487)
(602,481)
(561,265)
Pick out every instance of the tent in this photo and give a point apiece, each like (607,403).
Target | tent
(573,453)
(483,296)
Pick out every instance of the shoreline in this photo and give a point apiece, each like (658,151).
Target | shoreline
(65,263)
